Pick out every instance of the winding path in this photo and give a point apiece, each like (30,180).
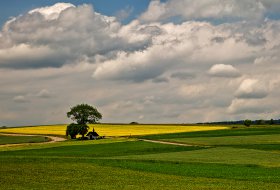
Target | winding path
(60,139)
(172,143)
(55,139)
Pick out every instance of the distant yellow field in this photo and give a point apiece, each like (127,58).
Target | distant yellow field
(113,130)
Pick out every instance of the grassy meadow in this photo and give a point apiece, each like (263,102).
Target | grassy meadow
(5,139)
(242,158)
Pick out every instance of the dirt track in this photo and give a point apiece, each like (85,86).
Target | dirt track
(165,142)
(171,143)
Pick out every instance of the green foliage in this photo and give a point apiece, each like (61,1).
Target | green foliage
(134,123)
(260,122)
(84,114)
(74,129)
(247,122)
(83,129)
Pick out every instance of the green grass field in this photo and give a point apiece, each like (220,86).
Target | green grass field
(243,158)
(4,139)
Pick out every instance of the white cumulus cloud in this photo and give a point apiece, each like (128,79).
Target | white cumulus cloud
(222,70)
(73,34)
(52,12)
(251,88)
(216,9)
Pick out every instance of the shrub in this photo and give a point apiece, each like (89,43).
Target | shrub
(247,122)
(134,123)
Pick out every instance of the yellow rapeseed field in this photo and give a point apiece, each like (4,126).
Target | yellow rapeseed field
(113,130)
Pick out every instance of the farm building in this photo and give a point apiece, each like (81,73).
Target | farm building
(92,135)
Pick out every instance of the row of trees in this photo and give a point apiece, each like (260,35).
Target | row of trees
(240,122)
(248,122)
(82,114)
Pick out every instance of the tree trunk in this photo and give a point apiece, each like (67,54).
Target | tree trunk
(73,136)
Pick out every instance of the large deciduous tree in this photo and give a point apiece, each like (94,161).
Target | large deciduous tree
(82,114)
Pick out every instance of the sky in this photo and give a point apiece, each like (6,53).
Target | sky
(172,61)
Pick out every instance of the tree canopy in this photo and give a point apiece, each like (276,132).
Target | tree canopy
(82,114)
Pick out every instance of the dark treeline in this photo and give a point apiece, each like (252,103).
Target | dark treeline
(240,122)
